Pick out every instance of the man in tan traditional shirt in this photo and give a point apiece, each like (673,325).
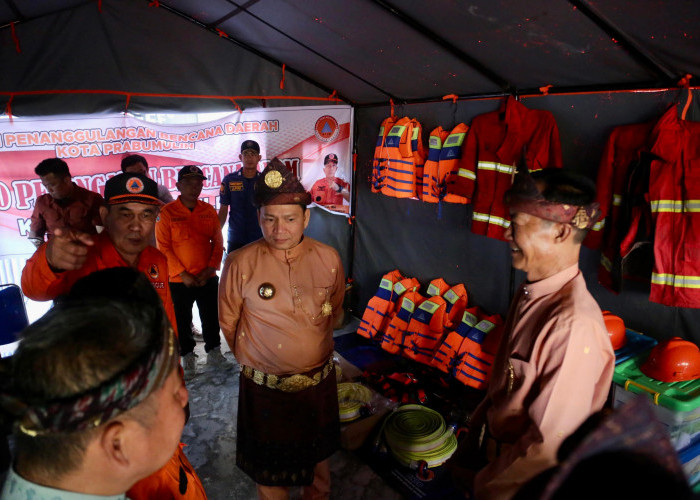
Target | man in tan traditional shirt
(555,363)
(279,300)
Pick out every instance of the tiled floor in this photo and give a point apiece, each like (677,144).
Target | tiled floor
(211,438)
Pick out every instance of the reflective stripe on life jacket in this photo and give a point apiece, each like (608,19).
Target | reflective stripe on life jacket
(380,156)
(425,330)
(378,305)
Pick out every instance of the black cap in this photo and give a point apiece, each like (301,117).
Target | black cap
(191,171)
(330,157)
(131,188)
(250,145)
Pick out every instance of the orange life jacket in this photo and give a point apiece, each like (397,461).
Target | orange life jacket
(444,160)
(426,330)
(456,298)
(393,339)
(418,155)
(447,353)
(177,479)
(438,286)
(474,362)
(380,156)
(378,305)
(400,173)
(400,288)
(430,191)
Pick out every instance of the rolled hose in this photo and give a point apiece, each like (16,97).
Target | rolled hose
(416,434)
(351,399)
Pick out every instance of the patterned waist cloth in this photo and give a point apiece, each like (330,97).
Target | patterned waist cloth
(289,383)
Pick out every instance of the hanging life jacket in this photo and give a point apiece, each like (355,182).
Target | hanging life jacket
(399,178)
(380,155)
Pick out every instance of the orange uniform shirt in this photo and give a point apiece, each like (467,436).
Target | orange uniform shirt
(190,240)
(39,282)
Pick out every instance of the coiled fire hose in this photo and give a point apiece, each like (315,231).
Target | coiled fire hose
(351,399)
(418,436)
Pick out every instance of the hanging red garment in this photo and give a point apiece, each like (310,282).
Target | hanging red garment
(674,197)
(496,142)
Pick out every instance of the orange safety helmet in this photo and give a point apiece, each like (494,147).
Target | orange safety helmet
(673,360)
(616,330)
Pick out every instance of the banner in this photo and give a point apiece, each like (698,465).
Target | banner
(93,146)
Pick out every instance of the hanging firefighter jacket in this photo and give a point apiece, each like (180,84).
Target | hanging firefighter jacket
(394,337)
(495,143)
(380,155)
(674,196)
(616,187)
(399,178)
(444,161)
(426,330)
(378,305)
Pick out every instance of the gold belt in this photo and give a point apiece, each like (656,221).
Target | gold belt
(288,383)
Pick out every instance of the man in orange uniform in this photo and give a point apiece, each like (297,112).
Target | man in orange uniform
(330,190)
(129,217)
(279,300)
(554,365)
(189,235)
(64,205)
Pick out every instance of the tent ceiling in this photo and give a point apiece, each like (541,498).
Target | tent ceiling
(372,50)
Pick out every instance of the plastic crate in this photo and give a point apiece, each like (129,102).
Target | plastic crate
(677,404)
(637,344)
(690,460)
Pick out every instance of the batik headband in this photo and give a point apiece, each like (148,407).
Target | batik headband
(95,406)
(523,196)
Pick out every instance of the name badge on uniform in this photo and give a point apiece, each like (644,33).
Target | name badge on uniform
(235,186)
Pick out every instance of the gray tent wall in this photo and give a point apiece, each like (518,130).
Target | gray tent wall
(427,242)
(131,47)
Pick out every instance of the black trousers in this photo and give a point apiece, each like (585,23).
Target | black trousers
(207,299)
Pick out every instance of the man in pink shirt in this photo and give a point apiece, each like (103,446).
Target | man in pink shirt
(280,298)
(555,363)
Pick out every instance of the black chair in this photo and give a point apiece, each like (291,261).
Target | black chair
(13,319)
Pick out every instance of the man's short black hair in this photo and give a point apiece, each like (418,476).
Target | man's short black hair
(564,186)
(133,160)
(54,166)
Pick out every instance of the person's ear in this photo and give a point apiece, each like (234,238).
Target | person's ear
(114,443)
(562,232)
(307,216)
(103,214)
